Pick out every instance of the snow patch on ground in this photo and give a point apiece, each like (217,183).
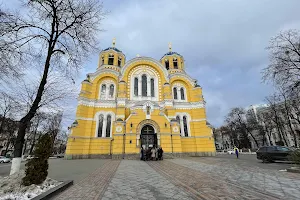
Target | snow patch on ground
(12,189)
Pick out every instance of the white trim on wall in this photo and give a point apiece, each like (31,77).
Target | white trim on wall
(181,114)
(105,114)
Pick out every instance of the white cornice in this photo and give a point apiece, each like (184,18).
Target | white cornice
(184,75)
(135,104)
(97,103)
(102,70)
(188,105)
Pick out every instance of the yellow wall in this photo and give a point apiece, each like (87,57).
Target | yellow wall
(83,139)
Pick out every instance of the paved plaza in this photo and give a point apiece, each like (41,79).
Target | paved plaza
(187,178)
(221,177)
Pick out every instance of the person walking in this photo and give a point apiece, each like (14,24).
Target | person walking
(153,153)
(156,153)
(236,150)
(142,153)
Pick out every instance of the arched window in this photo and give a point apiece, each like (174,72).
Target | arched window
(119,61)
(167,65)
(103,92)
(152,87)
(136,87)
(102,59)
(175,92)
(111,59)
(111,90)
(100,125)
(175,63)
(108,125)
(186,133)
(182,94)
(144,85)
(178,120)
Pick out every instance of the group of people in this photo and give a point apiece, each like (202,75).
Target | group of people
(152,153)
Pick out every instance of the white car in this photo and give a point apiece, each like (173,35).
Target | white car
(3,159)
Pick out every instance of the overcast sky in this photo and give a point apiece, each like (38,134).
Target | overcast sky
(222,41)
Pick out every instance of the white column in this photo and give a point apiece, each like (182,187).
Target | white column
(140,86)
(148,87)
(178,93)
(107,91)
(181,125)
(104,126)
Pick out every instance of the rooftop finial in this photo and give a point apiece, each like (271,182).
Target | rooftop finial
(114,42)
(170,46)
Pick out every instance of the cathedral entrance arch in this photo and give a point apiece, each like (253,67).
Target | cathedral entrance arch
(148,137)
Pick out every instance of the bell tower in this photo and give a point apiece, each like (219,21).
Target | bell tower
(112,57)
(172,61)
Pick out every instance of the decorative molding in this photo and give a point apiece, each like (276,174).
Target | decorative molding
(198,120)
(120,116)
(85,118)
(188,120)
(183,75)
(98,103)
(100,71)
(151,73)
(147,122)
(87,137)
(188,105)
(119,129)
(141,60)
(105,114)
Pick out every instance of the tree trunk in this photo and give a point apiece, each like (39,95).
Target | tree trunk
(15,167)
(33,142)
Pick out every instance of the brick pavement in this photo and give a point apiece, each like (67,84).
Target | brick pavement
(282,184)
(189,178)
(204,186)
(137,180)
(94,185)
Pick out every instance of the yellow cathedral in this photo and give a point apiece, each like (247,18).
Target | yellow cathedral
(141,103)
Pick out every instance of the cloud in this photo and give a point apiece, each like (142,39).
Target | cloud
(223,42)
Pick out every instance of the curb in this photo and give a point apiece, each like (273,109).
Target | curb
(54,191)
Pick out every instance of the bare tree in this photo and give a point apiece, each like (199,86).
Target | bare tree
(287,113)
(276,114)
(63,34)
(284,67)
(8,107)
(237,120)
(267,124)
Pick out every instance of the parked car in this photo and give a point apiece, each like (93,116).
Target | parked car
(60,155)
(3,159)
(272,153)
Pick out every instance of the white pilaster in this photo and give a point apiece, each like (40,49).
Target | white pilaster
(148,87)
(140,86)
(104,126)
(107,91)
(181,125)
(178,93)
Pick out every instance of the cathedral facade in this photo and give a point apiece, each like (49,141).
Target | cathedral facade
(143,102)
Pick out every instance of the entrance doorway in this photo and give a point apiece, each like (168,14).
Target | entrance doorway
(148,137)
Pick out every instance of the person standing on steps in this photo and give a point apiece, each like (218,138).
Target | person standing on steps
(236,151)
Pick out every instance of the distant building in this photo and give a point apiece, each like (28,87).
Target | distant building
(275,134)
